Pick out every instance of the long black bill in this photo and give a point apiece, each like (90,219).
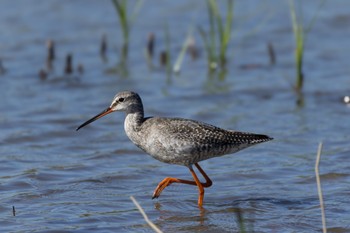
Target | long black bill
(103,113)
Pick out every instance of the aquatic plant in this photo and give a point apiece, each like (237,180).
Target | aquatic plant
(51,55)
(68,69)
(103,48)
(126,21)
(217,39)
(150,47)
(181,55)
(300,33)
(168,50)
(272,54)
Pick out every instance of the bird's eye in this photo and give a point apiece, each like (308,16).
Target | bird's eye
(121,99)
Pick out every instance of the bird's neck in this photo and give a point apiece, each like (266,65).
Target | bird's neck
(134,118)
(133,125)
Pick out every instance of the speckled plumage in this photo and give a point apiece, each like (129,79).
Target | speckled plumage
(180,141)
(177,140)
(185,142)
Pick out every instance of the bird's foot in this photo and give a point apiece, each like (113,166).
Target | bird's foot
(162,185)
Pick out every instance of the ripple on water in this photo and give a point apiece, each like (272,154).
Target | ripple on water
(62,180)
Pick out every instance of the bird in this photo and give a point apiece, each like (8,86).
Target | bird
(177,140)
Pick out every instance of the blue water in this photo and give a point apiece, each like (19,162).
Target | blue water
(60,180)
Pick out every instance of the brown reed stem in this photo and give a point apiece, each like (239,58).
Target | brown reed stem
(319,189)
(149,222)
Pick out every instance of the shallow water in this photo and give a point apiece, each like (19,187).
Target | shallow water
(60,180)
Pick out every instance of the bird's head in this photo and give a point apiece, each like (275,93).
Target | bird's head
(126,101)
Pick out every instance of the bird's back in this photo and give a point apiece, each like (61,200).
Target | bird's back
(185,142)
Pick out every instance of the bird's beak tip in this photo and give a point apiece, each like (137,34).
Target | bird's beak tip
(103,113)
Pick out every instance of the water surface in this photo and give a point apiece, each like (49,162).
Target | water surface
(66,181)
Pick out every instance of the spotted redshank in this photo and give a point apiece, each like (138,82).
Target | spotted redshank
(177,140)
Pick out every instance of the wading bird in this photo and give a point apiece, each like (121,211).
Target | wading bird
(176,140)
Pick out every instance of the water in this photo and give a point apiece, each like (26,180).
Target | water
(60,180)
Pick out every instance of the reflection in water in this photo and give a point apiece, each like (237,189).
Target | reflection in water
(240,219)
(198,214)
(203,218)
(300,99)
(216,83)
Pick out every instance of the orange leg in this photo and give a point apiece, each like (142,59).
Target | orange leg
(169,180)
(200,188)
(208,181)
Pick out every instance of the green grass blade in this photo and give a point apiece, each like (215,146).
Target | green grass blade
(298,31)
(205,40)
(212,34)
(210,50)
(168,50)
(220,29)
(226,33)
(313,20)
(121,8)
(180,57)
(136,11)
